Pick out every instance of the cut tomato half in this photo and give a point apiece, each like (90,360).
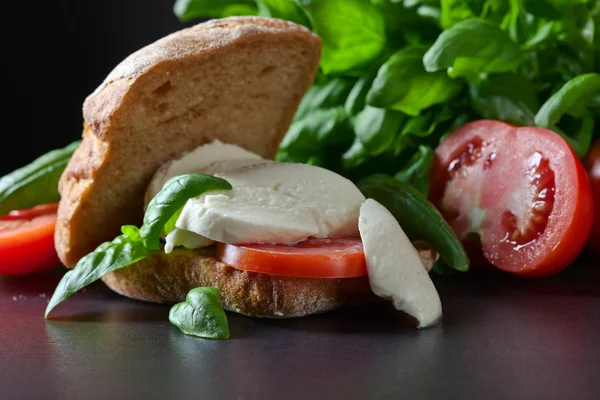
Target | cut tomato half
(311,258)
(521,192)
(27,240)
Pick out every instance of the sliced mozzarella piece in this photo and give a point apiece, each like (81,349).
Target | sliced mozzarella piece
(191,240)
(275,203)
(395,269)
(195,161)
(187,239)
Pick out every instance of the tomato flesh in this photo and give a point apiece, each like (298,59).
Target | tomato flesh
(27,240)
(311,258)
(521,191)
(592,164)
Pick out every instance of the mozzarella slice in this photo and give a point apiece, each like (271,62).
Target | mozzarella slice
(191,240)
(275,203)
(395,269)
(187,239)
(195,161)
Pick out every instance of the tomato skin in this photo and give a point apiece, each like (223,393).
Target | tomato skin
(522,190)
(311,258)
(27,241)
(592,164)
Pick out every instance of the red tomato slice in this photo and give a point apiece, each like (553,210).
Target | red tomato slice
(592,164)
(521,191)
(311,258)
(27,240)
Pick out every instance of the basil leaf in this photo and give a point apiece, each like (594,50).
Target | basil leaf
(35,183)
(417,217)
(580,134)
(283,9)
(186,10)
(328,94)
(416,171)
(506,97)
(352,31)
(317,131)
(403,84)
(125,250)
(550,9)
(425,124)
(471,48)
(174,194)
(357,98)
(501,12)
(201,314)
(572,99)
(377,128)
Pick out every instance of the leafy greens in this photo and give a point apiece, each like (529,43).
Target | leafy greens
(397,76)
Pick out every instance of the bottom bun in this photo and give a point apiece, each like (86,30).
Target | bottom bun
(167,278)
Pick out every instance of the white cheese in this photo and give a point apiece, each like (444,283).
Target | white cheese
(195,161)
(187,239)
(395,269)
(208,159)
(275,203)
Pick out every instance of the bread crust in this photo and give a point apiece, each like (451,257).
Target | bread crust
(201,83)
(167,278)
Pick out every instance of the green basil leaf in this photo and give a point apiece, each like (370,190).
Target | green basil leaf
(316,131)
(283,9)
(578,133)
(471,48)
(125,250)
(417,217)
(355,156)
(403,84)
(506,97)
(550,9)
(174,194)
(572,99)
(35,183)
(328,94)
(357,98)
(186,10)
(425,124)
(201,314)
(416,171)
(352,31)
(501,12)
(377,128)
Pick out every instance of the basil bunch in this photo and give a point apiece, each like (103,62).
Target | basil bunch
(396,76)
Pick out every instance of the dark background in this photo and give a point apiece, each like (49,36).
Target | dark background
(55,53)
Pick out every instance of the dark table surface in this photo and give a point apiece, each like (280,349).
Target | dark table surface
(501,338)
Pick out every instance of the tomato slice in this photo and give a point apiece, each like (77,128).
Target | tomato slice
(592,164)
(522,193)
(311,258)
(27,240)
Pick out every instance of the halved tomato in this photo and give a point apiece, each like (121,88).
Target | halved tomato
(521,192)
(27,240)
(311,258)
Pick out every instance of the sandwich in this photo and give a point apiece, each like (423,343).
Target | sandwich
(277,240)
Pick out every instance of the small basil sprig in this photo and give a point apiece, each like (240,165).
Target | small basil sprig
(35,183)
(417,217)
(135,244)
(174,194)
(123,251)
(201,314)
